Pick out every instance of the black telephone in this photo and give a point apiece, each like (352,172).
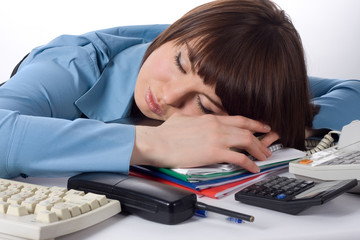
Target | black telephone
(148,199)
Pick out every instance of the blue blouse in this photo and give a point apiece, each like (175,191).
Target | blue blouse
(42,132)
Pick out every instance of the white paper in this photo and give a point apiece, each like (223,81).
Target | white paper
(280,155)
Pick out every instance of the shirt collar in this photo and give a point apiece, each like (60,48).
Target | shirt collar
(110,98)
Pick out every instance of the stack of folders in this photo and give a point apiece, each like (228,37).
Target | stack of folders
(218,180)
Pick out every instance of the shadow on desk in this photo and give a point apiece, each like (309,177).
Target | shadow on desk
(97,229)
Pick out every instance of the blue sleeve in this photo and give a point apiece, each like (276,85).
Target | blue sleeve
(50,147)
(39,136)
(41,133)
(338,100)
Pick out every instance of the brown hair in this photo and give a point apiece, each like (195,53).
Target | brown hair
(252,53)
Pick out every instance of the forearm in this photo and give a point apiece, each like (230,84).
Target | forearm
(338,101)
(39,146)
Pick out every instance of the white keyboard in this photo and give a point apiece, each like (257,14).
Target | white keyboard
(29,211)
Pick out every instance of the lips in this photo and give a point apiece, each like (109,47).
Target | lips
(152,103)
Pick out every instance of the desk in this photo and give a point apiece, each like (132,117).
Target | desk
(337,219)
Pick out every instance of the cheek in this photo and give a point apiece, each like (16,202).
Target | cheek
(160,65)
(151,71)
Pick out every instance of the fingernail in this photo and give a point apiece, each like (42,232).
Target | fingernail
(267,127)
(268,152)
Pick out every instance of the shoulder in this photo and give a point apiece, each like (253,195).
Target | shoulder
(146,32)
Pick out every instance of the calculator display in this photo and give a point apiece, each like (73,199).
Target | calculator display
(319,188)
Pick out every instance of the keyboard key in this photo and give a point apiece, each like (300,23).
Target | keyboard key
(3,206)
(83,206)
(42,206)
(75,192)
(46,216)
(73,208)
(62,212)
(30,204)
(15,199)
(16,210)
(100,198)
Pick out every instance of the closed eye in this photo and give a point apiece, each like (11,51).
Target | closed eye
(201,106)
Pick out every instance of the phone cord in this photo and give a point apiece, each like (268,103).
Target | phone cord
(326,142)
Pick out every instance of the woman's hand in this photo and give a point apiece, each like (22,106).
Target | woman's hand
(184,141)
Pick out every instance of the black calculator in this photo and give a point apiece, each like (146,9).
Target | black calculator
(292,195)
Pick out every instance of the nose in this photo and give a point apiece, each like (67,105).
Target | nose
(177,94)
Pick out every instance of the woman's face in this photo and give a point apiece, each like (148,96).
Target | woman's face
(168,83)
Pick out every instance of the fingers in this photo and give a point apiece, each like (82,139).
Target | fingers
(241,160)
(270,138)
(238,132)
(245,140)
(244,123)
(214,136)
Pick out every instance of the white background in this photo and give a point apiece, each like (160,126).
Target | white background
(330,29)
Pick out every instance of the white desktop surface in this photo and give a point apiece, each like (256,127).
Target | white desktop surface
(337,219)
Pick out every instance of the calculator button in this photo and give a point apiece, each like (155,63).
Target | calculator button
(289,192)
(267,185)
(285,188)
(281,196)
(262,193)
(310,183)
(261,183)
(271,195)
